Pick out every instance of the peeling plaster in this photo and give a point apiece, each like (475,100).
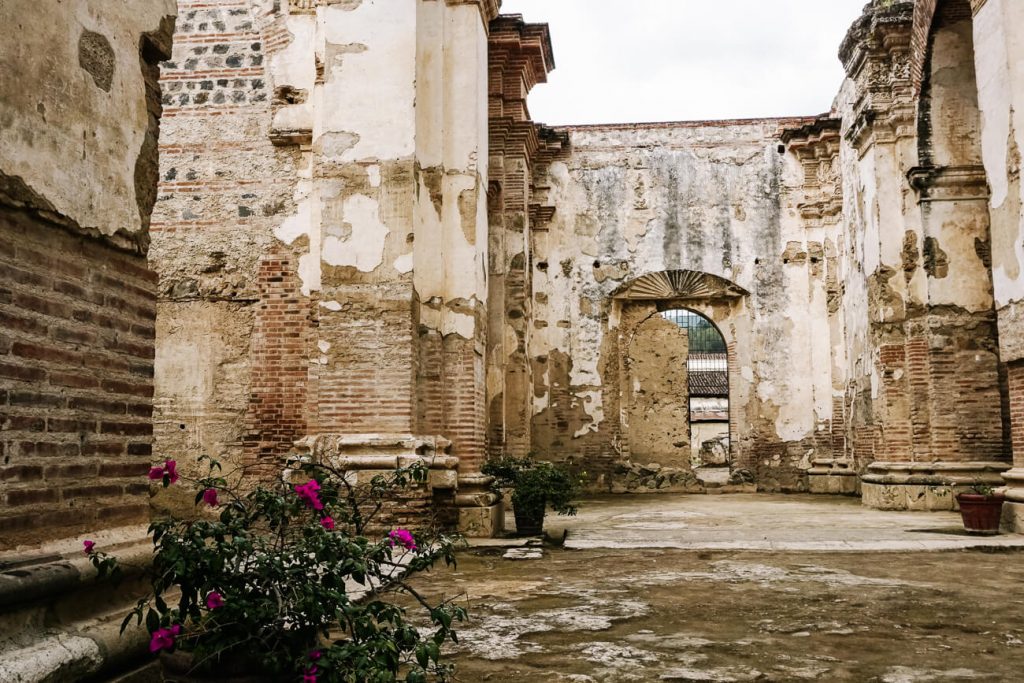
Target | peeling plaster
(363,246)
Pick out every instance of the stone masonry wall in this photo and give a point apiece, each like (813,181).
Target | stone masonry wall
(77,299)
(714,199)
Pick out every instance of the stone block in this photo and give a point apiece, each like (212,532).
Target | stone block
(482,522)
(1013,517)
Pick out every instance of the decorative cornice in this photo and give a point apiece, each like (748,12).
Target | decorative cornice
(816,146)
(876,54)
(949,183)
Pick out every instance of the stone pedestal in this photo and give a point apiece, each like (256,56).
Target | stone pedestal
(832,476)
(924,486)
(481,512)
(1013,508)
(361,457)
(464,501)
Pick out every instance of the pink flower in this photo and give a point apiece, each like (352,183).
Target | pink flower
(310,675)
(87,547)
(170,469)
(314,655)
(327,523)
(308,493)
(403,537)
(210,497)
(214,600)
(163,638)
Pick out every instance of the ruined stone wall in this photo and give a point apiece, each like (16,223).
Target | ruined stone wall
(322,233)
(715,200)
(80,112)
(231,358)
(926,398)
(77,301)
(998,54)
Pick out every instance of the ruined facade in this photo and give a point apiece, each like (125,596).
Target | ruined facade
(418,270)
(356,243)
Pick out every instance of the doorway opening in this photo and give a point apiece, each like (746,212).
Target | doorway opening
(707,368)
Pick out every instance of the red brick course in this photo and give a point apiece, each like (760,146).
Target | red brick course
(76,380)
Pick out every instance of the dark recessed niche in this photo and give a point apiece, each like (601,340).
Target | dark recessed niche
(542,265)
(597,264)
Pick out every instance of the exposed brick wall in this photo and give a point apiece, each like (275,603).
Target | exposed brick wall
(76,381)
(1015,382)
(277,412)
(367,387)
(224,188)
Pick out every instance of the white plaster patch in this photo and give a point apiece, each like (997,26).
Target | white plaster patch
(994,92)
(331,305)
(324,346)
(593,406)
(747,373)
(364,246)
(404,263)
(373,173)
(383,116)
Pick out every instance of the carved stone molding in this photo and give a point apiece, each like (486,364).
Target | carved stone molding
(679,284)
(949,183)
(816,145)
(876,54)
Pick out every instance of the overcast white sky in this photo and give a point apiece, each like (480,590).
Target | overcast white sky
(677,60)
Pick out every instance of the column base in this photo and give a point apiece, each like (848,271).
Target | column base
(832,477)
(1013,508)
(361,457)
(482,522)
(924,486)
(481,510)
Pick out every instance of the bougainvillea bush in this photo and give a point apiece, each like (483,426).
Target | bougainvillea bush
(283,578)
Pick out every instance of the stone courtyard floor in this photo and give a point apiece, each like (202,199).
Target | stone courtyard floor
(640,592)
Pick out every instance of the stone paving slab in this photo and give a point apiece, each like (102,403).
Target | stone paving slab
(764,522)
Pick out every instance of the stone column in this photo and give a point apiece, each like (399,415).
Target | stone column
(520,57)
(816,146)
(936,398)
(393,107)
(999,69)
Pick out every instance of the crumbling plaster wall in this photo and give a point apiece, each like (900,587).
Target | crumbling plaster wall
(80,112)
(77,180)
(716,198)
(324,226)
(999,65)
(926,396)
(77,139)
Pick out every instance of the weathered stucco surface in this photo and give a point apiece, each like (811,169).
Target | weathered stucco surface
(421,258)
(74,142)
(712,198)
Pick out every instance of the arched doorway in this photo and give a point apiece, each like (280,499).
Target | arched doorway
(654,316)
(707,366)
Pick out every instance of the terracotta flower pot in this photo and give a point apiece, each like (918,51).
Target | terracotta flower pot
(981,514)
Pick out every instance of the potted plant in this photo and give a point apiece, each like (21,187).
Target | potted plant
(535,486)
(981,509)
(284,582)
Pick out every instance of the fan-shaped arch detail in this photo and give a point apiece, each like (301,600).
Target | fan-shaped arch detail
(679,284)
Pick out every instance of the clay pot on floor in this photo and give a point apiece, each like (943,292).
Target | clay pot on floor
(981,514)
(178,668)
